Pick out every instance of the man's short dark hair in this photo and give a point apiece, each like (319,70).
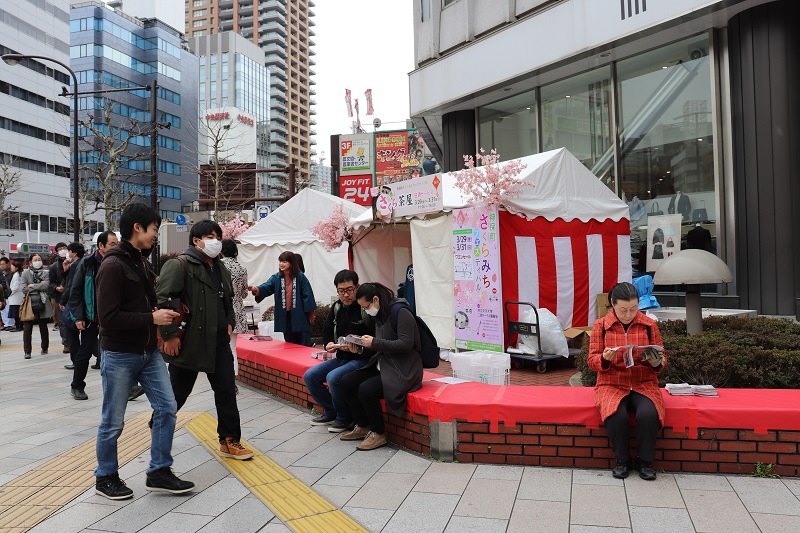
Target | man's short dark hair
(204,227)
(343,276)
(103,237)
(77,248)
(229,248)
(4,260)
(61,245)
(140,214)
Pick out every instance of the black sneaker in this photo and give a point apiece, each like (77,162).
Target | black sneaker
(44,352)
(622,470)
(27,356)
(341,427)
(323,420)
(163,480)
(78,394)
(112,487)
(136,391)
(96,366)
(646,470)
(70,366)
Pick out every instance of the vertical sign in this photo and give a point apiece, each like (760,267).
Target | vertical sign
(663,239)
(477,287)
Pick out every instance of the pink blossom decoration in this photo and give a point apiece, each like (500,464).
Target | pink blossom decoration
(490,181)
(334,230)
(234,227)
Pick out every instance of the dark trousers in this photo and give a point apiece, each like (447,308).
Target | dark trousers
(647,426)
(363,392)
(303,338)
(44,333)
(82,345)
(222,383)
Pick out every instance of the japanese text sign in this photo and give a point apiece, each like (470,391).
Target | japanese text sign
(356,188)
(398,156)
(416,196)
(355,152)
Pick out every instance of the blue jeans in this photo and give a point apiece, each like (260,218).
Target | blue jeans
(331,397)
(119,371)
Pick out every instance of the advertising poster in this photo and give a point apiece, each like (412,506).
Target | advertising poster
(356,189)
(477,288)
(663,239)
(355,154)
(399,156)
(416,196)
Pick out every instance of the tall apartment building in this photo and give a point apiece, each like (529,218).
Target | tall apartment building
(35,122)
(282,28)
(112,50)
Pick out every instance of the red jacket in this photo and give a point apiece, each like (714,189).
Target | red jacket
(614,381)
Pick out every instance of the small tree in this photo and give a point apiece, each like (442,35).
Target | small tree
(10,181)
(234,227)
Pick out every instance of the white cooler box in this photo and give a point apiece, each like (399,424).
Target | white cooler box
(482,366)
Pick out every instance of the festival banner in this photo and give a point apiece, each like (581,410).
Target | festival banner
(356,189)
(398,156)
(478,282)
(355,154)
(416,196)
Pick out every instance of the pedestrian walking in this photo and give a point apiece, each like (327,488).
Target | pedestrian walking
(294,300)
(199,279)
(16,296)
(126,305)
(57,277)
(240,291)
(9,324)
(35,284)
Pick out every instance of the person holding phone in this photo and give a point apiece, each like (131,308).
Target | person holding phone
(621,390)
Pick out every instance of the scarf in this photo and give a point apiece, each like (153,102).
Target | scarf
(283,292)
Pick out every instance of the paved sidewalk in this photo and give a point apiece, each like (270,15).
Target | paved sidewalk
(386,490)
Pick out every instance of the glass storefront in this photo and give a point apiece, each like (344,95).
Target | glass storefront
(666,144)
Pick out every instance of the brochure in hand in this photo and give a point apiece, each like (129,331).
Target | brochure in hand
(629,349)
(353,339)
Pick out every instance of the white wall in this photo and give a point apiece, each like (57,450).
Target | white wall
(170,12)
(238,140)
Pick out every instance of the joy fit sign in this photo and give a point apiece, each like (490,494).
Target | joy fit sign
(356,188)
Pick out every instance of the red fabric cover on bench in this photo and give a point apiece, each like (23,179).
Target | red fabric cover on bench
(757,409)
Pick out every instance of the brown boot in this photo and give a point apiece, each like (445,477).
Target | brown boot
(233,449)
(357,433)
(372,441)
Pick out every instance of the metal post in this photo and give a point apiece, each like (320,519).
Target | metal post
(76,193)
(154,259)
(292,181)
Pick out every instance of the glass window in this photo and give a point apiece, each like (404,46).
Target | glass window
(509,126)
(667,141)
(426,9)
(576,115)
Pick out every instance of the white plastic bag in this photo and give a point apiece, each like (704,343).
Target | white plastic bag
(553,340)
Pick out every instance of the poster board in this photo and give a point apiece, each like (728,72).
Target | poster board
(477,287)
(408,198)
(663,239)
(356,155)
(398,156)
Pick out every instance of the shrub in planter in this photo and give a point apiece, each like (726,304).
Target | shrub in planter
(731,352)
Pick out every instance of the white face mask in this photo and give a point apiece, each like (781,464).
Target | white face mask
(36,264)
(373,311)
(63,253)
(212,247)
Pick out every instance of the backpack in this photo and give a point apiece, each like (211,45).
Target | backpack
(430,348)
(337,306)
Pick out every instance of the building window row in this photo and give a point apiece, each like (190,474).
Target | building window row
(28,96)
(136,189)
(112,80)
(144,43)
(33,131)
(138,140)
(39,68)
(143,67)
(124,110)
(33,31)
(33,165)
(14,220)
(50,8)
(93,157)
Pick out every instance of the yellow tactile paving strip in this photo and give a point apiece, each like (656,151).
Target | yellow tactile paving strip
(298,506)
(32,497)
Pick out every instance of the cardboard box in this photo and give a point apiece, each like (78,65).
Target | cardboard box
(577,337)
(602,305)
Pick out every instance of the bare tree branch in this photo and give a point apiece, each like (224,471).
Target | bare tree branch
(10,181)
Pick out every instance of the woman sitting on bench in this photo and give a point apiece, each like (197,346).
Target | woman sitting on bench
(628,382)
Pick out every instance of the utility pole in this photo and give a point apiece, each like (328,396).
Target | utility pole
(154,163)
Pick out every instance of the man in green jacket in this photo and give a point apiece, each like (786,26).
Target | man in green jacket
(200,280)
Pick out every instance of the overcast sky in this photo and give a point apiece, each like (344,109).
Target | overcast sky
(361,44)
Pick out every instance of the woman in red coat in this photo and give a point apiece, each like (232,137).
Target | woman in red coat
(621,388)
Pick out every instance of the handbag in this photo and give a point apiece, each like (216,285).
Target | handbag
(25,312)
(67,319)
(182,320)
(37,306)
(655,210)
(670,243)
(700,215)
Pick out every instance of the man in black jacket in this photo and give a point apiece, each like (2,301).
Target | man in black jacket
(57,279)
(126,305)
(345,318)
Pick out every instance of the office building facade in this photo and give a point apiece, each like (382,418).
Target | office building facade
(282,29)
(680,107)
(113,50)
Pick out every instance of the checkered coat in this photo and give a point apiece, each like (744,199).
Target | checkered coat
(614,381)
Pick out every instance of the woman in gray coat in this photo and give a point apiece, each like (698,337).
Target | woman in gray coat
(36,282)
(394,370)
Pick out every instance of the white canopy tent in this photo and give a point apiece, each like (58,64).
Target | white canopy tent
(289,228)
(555,185)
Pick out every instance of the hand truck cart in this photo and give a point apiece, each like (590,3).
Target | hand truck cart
(530,329)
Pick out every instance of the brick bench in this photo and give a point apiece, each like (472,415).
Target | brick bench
(557,426)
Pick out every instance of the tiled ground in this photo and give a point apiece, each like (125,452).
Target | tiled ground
(386,490)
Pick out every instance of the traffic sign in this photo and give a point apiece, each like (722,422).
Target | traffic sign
(33,248)
(180,220)
(263,211)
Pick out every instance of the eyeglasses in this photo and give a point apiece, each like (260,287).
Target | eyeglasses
(348,291)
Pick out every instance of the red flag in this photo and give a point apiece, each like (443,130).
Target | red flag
(358,119)
(347,101)
(368,94)
(356,106)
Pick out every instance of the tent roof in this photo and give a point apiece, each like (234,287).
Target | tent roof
(555,184)
(291,222)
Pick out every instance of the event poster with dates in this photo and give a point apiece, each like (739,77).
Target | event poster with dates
(477,288)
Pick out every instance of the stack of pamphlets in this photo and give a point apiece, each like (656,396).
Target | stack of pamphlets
(684,389)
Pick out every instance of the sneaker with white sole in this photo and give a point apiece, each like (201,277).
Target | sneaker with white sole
(164,480)
(323,420)
(232,448)
(341,427)
(112,487)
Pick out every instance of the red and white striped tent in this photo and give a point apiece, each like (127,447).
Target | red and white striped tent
(564,240)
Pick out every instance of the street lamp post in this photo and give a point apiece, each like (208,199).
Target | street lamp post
(15,59)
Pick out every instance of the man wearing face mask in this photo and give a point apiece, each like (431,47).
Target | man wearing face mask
(200,280)
(57,279)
